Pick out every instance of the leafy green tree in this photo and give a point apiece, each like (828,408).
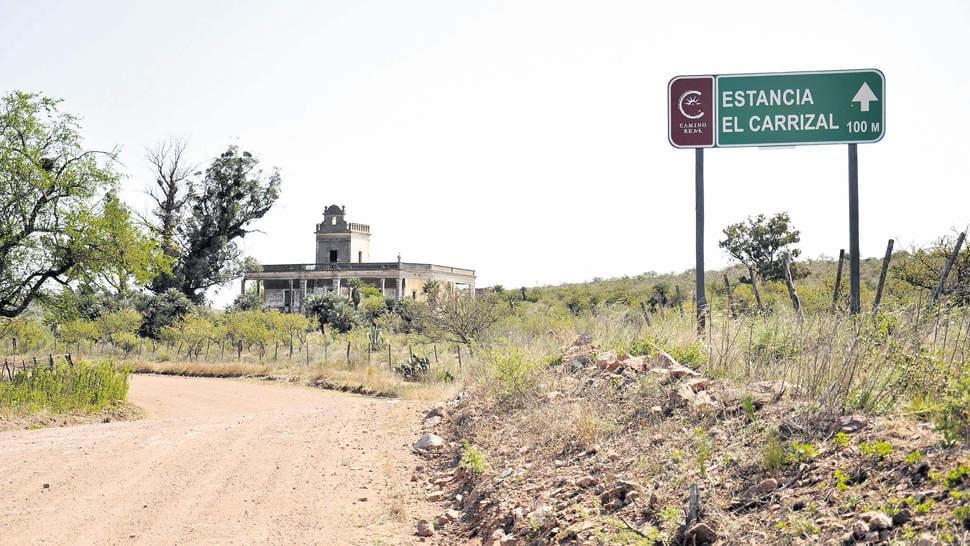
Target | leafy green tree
(118,328)
(194,332)
(289,328)
(247,329)
(26,333)
(233,194)
(761,244)
(74,331)
(50,186)
(122,256)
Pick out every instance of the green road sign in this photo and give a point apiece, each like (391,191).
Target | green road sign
(785,109)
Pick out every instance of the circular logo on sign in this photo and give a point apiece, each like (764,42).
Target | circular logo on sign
(690,104)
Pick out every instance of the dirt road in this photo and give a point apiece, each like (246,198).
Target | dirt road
(217,461)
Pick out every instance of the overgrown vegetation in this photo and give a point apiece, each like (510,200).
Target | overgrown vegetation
(83,387)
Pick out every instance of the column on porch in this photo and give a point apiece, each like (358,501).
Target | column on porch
(383,288)
(303,285)
(400,288)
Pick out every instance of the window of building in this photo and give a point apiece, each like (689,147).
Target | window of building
(414,294)
(360,256)
(333,256)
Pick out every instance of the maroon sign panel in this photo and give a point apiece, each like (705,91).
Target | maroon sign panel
(690,111)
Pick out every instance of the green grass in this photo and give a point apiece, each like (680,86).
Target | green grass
(85,387)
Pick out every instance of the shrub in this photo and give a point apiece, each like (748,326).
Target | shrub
(515,375)
(83,387)
(588,429)
(879,449)
(774,455)
(472,459)
(415,368)
(646,346)
(951,414)
(332,309)
(691,354)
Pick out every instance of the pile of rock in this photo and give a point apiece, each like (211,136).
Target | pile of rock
(621,494)
(662,367)
(699,395)
(870,528)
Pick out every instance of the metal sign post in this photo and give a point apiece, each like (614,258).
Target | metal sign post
(700,296)
(854,305)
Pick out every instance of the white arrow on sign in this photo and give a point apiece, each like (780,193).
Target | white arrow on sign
(864,96)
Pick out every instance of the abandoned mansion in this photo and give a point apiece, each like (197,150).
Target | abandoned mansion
(342,254)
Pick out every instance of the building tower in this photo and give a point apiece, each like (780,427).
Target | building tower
(339,241)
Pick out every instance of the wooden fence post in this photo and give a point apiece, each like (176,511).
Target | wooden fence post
(754,288)
(730,297)
(946,270)
(680,300)
(789,282)
(882,276)
(838,280)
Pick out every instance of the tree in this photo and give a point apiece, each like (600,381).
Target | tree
(209,218)
(465,319)
(923,267)
(118,328)
(194,331)
(332,309)
(761,244)
(430,289)
(245,329)
(161,310)
(170,193)
(250,300)
(50,187)
(122,255)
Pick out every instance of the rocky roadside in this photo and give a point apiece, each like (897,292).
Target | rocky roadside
(681,459)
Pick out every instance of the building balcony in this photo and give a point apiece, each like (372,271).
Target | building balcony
(357,267)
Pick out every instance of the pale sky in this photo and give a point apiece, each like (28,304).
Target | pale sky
(525,140)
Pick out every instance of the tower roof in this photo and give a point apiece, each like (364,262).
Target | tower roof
(334,209)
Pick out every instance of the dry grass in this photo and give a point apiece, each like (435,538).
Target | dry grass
(199,369)
(360,378)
